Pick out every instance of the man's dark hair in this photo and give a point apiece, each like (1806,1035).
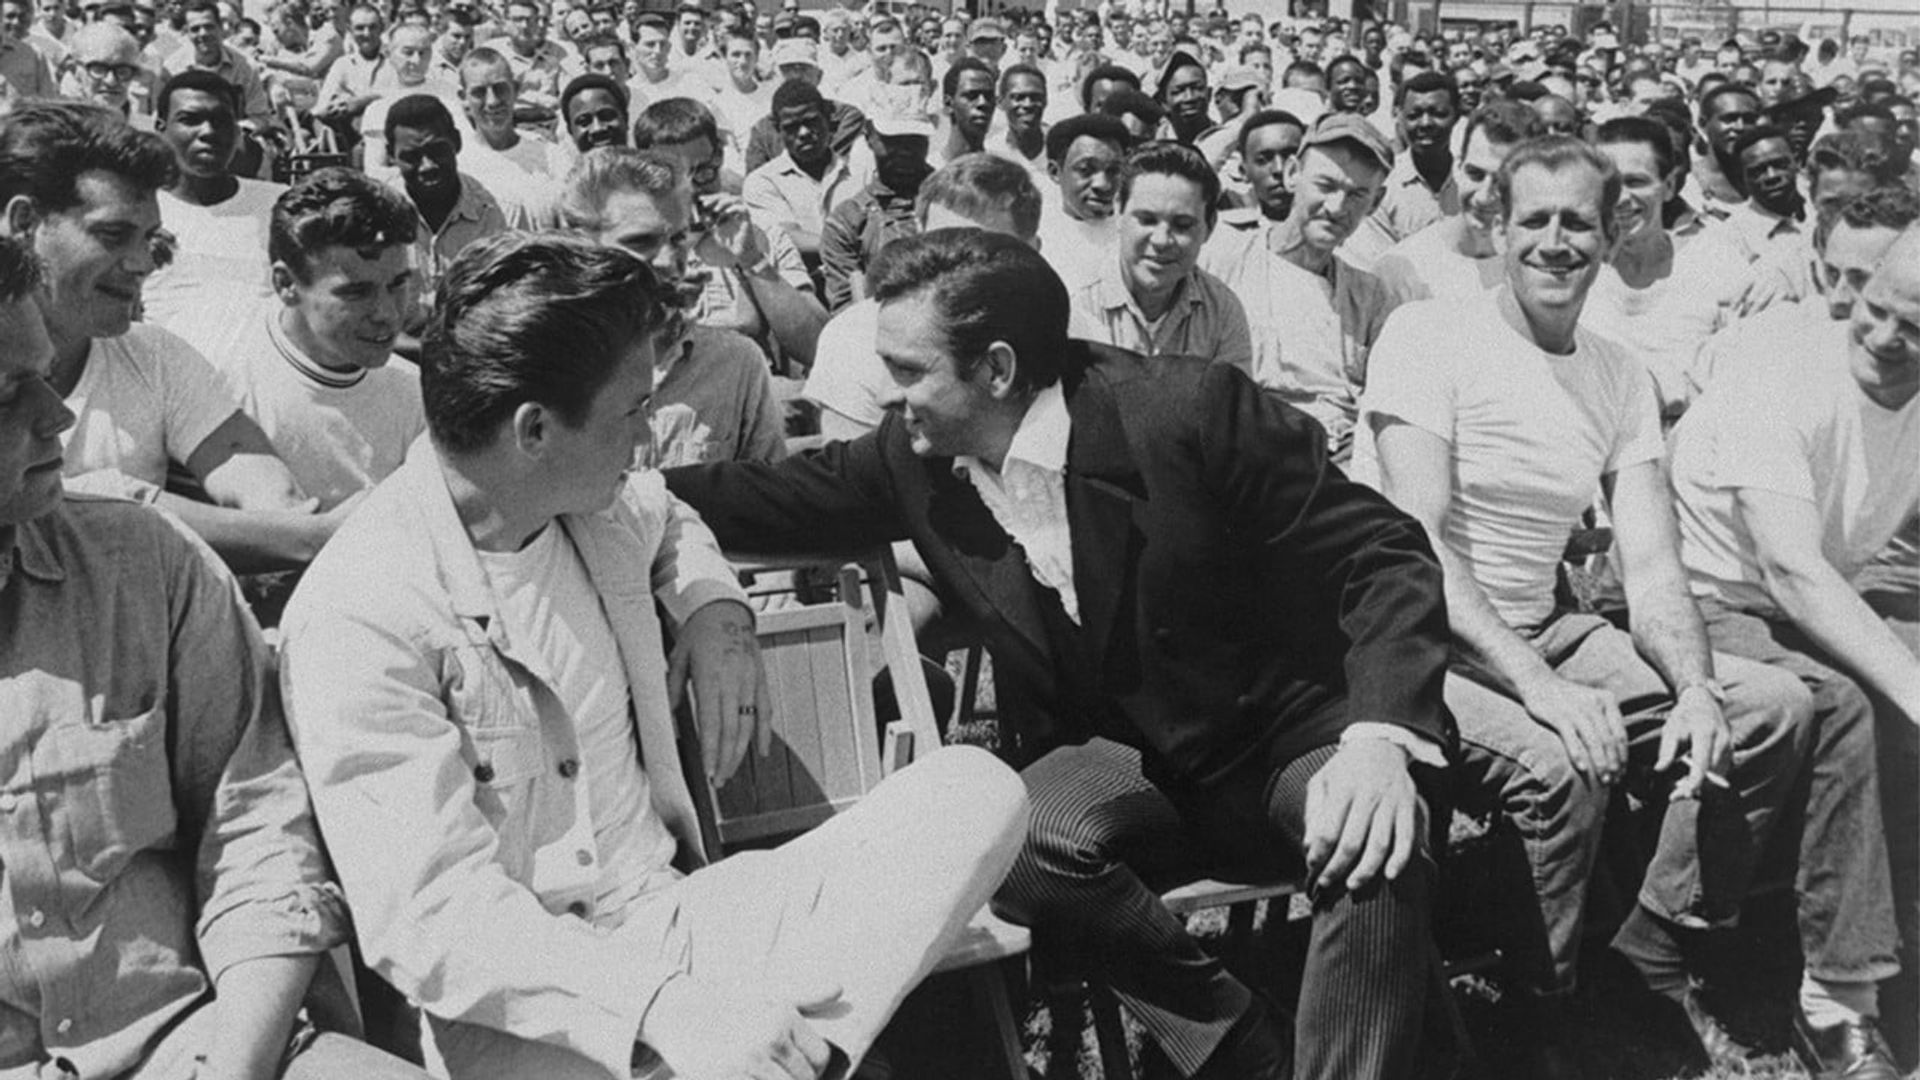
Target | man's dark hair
(673,121)
(976,184)
(795,93)
(1890,206)
(1427,82)
(1556,153)
(45,146)
(1061,136)
(580,84)
(19,269)
(986,287)
(336,207)
(1020,69)
(1302,67)
(1505,122)
(1179,60)
(1641,131)
(651,21)
(530,317)
(205,7)
(1106,73)
(1134,103)
(1162,158)
(1865,110)
(421,112)
(198,80)
(950,82)
(602,41)
(1266,118)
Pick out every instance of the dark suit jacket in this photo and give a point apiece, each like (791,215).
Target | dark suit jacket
(1226,572)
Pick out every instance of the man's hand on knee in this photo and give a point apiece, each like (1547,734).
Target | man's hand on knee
(1363,816)
(724,1031)
(1588,722)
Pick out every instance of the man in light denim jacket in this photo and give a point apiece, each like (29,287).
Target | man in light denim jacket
(479,690)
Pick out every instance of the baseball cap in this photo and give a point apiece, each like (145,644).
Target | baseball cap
(986,29)
(795,51)
(1350,127)
(896,111)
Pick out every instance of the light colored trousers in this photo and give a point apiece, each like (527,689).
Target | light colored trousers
(869,902)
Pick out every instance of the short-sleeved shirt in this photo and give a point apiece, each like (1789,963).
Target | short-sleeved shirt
(1796,425)
(1531,435)
(1427,264)
(782,195)
(1204,318)
(144,397)
(221,256)
(340,433)
(848,374)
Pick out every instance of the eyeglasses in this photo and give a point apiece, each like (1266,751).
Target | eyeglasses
(100,69)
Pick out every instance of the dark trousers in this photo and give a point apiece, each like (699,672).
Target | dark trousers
(1101,837)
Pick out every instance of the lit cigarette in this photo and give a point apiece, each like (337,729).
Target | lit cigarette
(1713,778)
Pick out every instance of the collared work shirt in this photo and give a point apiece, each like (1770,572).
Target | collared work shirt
(781,194)
(1408,205)
(154,828)
(855,232)
(475,216)
(1204,318)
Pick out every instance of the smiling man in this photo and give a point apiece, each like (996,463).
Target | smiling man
(311,366)
(206,50)
(218,220)
(509,690)
(1152,297)
(1316,314)
(595,109)
(1023,98)
(1456,257)
(1421,189)
(1497,422)
(455,209)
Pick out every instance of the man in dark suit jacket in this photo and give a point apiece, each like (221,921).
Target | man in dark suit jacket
(1163,565)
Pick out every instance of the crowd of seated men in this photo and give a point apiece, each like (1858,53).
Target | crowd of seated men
(1324,428)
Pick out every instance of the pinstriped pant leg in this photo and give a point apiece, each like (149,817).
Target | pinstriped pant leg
(1097,829)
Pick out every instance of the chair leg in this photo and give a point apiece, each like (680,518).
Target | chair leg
(990,989)
(1109,1033)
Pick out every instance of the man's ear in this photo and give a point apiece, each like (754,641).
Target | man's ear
(1002,367)
(283,282)
(532,426)
(20,217)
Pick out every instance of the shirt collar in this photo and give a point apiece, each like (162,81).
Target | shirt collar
(1040,441)
(1114,294)
(33,554)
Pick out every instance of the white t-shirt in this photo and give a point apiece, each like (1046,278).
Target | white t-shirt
(1077,250)
(1427,264)
(848,375)
(222,255)
(339,432)
(1532,434)
(1667,323)
(547,600)
(1799,426)
(144,397)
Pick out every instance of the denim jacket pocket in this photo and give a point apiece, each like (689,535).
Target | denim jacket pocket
(115,788)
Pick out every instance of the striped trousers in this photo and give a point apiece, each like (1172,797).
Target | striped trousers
(1102,840)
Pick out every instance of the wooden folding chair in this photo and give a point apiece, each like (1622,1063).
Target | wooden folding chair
(826,753)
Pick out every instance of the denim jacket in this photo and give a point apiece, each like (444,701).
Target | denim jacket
(445,770)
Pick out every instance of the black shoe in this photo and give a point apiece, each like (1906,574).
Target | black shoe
(1850,1051)
(1721,1048)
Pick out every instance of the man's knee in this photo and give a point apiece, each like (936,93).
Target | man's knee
(990,799)
(1769,710)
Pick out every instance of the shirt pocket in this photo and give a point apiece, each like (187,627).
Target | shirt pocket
(114,786)
(502,734)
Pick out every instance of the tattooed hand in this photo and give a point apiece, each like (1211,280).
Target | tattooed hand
(720,656)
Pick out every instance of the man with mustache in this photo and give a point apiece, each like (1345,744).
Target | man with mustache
(1455,257)
(218,220)
(1496,422)
(1317,314)
(1791,477)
